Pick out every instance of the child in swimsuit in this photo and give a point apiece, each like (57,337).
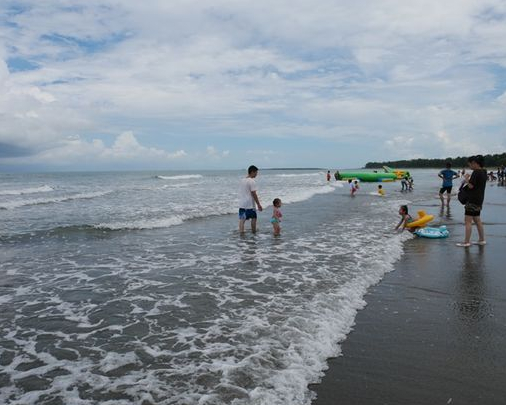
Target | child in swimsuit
(380,190)
(405,219)
(355,184)
(353,190)
(276,216)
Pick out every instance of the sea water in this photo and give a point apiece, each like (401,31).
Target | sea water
(136,288)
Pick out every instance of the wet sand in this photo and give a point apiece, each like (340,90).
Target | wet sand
(434,330)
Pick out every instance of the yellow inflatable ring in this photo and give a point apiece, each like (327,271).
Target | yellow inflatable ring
(422,220)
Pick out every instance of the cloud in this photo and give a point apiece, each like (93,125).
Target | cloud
(214,153)
(94,153)
(351,71)
(126,146)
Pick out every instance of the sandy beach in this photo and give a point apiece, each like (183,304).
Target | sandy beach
(434,329)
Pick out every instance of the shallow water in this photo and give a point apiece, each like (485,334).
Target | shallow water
(136,288)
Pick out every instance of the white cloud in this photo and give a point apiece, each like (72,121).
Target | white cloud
(351,69)
(126,146)
(214,153)
(211,151)
(95,153)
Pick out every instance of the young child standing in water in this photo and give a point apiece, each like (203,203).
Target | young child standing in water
(276,216)
(353,189)
(355,184)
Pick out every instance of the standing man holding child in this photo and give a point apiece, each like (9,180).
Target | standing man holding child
(247,199)
(447,175)
(475,185)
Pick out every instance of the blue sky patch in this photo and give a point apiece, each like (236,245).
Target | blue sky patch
(18,64)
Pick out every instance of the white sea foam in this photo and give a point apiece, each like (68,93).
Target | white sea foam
(178,185)
(291,195)
(29,190)
(191,317)
(172,220)
(181,177)
(221,206)
(143,224)
(279,345)
(53,200)
(113,361)
(4,299)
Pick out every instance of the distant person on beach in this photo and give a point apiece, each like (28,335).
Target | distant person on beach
(355,184)
(405,219)
(502,173)
(410,183)
(336,175)
(475,185)
(247,199)
(380,190)
(447,175)
(353,190)
(276,216)
(404,183)
(328,175)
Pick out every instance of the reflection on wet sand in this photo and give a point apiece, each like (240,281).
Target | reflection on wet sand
(445,212)
(471,289)
(471,299)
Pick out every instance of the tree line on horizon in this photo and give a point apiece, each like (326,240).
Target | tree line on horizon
(461,161)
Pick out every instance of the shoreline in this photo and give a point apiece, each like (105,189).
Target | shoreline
(433,330)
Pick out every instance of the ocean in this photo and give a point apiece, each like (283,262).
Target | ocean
(136,287)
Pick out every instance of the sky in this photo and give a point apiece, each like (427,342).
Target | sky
(184,84)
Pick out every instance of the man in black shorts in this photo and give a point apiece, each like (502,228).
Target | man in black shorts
(476,184)
(447,175)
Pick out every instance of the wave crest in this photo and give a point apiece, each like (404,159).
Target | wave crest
(180,177)
(28,190)
(52,200)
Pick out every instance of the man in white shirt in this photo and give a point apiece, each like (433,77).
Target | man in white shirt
(247,199)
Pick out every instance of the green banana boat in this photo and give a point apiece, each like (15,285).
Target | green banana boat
(399,172)
(366,176)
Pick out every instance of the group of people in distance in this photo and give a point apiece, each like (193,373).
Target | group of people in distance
(354,187)
(499,175)
(407,183)
(472,191)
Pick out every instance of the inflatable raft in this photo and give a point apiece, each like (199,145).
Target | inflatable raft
(432,233)
(367,176)
(421,221)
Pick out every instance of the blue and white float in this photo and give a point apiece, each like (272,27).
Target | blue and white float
(433,233)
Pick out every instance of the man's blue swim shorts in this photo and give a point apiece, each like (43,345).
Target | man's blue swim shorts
(246,214)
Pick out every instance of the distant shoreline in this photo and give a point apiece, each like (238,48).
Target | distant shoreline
(495,160)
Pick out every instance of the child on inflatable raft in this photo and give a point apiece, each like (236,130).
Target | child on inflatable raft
(407,222)
(418,226)
(405,219)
